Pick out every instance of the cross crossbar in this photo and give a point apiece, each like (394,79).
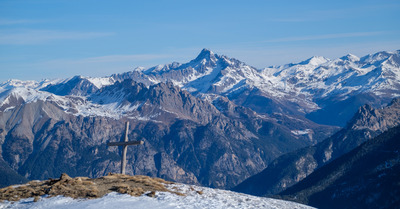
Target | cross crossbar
(125,144)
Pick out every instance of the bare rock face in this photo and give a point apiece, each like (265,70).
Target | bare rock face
(293,167)
(377,120)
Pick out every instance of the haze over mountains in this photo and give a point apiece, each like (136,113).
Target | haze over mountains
(213,121)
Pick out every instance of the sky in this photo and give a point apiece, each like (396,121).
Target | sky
(47,39)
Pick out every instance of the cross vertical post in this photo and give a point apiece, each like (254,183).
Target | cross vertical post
(125,144)
(125,148)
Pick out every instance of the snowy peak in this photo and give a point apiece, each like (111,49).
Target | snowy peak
(378,58)
(18,83)
(206,58)
(350,58)
(315,60)
(77,85)
(205,54)
(394,60)
(161,68)
(14,83)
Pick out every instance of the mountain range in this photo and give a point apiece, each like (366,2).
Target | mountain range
(316,88)
(213,121)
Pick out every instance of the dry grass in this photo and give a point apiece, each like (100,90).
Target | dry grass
(83,187)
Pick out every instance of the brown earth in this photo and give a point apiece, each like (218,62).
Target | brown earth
(83,187)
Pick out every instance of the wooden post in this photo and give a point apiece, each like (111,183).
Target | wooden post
(125,144)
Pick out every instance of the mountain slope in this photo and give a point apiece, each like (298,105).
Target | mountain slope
(292,167)
(366,177)
(9,176)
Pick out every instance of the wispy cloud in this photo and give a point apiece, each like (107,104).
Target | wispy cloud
(25,37)
(17,22)
(290,20)
(324,36)
(261,56)
(107,62)
(92,66)
(110,59)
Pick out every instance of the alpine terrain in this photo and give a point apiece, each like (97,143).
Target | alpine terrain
(213,121)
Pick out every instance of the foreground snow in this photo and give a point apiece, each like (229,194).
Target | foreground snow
(209,198)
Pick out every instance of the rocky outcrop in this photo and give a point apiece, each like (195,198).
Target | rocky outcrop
(86,188)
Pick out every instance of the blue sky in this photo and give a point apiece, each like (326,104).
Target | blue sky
(62,38)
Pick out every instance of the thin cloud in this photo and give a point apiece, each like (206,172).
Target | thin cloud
(323,37)
(27,37)
(92,66)
(117,58)
(103,61)
(290,20)
(17,22)
(264,56)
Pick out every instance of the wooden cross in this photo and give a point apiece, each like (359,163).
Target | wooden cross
(125,143)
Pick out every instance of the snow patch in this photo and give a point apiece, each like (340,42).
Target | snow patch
(301,132)
(9,108)
(101,82)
